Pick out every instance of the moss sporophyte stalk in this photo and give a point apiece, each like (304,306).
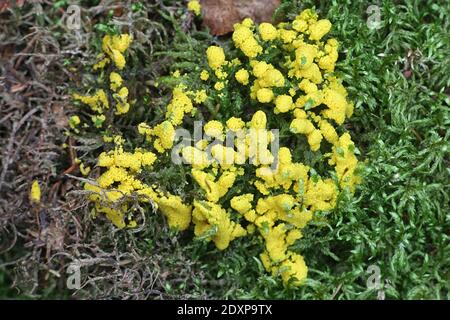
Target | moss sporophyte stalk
(244,189)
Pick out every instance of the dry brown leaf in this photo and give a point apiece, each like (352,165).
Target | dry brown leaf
(5,4)
(221,15)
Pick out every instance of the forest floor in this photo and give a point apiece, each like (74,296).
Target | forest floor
(398,222)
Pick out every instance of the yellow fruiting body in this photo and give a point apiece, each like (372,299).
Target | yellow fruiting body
(35,192)
(195,7)
(114,47)
(116,80)
(214,128)
(244,39)
(178,214)
(74,121)
(267,31)
(264,95)
(242,76)
(207,215)
(84,170)
(219,86)
(216,57)
(283,103)
(204,75)
(235,124)
(246,189)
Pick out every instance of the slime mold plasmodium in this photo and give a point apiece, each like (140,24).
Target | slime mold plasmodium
(281,194)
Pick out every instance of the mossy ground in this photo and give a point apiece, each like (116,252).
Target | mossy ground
(398,76)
